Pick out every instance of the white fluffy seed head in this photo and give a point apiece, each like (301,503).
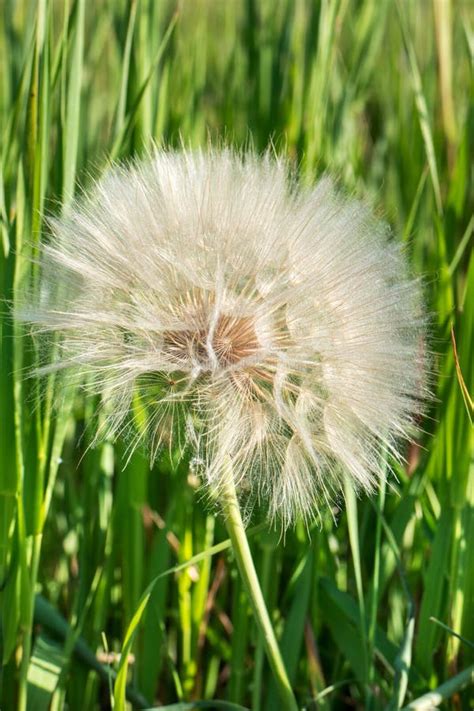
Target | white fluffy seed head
(250,320)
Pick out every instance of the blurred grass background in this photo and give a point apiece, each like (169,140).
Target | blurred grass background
(379,93)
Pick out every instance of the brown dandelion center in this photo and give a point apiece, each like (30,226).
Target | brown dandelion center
(233,339)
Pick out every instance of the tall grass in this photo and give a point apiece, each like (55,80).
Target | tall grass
(370,614)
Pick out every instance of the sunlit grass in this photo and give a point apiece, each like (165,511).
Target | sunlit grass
(380,95)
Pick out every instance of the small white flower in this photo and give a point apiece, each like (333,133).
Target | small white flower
(264,324)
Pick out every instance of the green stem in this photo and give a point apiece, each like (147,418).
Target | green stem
(374,600)
(259,650)
(28,625)
(243,556)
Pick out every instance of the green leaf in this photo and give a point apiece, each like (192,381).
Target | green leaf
(193,705)
(292,637)
(434,587)
(43,672)
(73,100)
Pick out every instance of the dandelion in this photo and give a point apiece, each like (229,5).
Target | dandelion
(269,329)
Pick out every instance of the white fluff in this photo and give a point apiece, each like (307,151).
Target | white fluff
(256,321)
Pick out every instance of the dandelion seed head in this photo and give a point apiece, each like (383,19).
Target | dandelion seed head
(253,320)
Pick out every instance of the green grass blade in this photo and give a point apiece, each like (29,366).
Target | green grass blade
(72,127)
(422,108)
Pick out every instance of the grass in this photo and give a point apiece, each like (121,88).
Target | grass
(377,93)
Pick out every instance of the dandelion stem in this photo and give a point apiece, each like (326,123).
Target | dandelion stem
(236,530)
